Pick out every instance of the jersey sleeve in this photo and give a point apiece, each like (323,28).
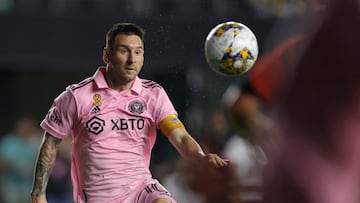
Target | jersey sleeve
(61,117)
(164,107)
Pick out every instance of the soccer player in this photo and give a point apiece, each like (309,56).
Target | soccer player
(112,117)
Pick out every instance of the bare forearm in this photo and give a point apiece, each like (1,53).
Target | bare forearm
(44,165)
(191,150)
(186,146)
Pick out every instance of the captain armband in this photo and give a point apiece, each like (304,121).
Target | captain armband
(170,123)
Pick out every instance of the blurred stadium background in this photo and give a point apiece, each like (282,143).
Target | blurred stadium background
(46,45)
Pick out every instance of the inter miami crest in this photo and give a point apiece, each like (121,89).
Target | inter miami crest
(136,107)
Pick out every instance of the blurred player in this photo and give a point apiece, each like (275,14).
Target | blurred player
(318,117)
(251,101)
(113,117)
(249,104)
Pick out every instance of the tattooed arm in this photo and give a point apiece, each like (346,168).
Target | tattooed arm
(45,162)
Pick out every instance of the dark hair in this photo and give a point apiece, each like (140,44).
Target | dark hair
(123,28)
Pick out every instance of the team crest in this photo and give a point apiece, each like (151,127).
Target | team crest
(136,107)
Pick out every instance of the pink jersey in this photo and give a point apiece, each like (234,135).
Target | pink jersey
(113,134)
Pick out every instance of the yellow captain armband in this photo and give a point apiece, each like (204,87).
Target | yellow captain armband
(170,123)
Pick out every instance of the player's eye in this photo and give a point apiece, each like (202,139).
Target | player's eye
(139,52)
(123,51)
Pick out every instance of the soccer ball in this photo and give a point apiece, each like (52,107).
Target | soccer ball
(231,49)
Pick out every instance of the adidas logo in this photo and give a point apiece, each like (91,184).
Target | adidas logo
(95,109)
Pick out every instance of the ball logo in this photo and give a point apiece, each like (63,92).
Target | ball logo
(136,107)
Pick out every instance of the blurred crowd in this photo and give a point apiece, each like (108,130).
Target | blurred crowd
(18,152)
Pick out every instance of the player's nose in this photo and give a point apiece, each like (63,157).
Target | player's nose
(131,58)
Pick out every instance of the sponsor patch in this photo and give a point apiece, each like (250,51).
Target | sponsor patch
(95,125)
(54,116)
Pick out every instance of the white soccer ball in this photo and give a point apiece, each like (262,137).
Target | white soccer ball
(231,49)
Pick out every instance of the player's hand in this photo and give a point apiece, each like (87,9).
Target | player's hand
(38,199)
(215,161)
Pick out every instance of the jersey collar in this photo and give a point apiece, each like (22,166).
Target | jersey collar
(137,86)
(100,81)
(99,78)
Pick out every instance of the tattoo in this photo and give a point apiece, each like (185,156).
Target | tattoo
(45,163)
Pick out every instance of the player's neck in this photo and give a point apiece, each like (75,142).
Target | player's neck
(118,84)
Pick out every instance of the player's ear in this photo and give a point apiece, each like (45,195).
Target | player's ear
(106,55)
